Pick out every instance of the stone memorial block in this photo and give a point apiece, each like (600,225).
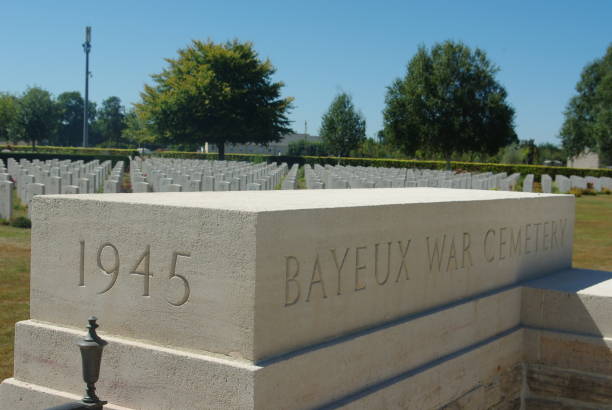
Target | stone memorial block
(174,188)
(210,287)
(295,274)
(6,200)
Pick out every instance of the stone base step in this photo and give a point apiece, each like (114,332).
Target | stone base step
(18,395)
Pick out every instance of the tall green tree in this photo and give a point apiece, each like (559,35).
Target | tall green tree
(8,117)
(342,127)
(70,127)
(449,102)
(216,93)
(588,116)
(37,115)
(136,132)
(110,122)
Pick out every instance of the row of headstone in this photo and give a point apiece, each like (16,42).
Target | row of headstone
(176,175)
(6,193)
(344,177)
(565,184)
(313,181)
(290,181)
(114,182)
(55,177)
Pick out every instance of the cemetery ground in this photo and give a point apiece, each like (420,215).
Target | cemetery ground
(592,250)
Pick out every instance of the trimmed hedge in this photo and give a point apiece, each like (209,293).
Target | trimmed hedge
(45,149)
(537,170)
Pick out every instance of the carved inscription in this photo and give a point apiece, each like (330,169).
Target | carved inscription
(141,267)
(337,271)
(394,261)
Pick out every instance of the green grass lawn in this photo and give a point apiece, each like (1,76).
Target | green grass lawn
(592,249)
(14,287)
(593,232)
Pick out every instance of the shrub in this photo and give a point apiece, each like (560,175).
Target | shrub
(589,191)
(3,221)
(537,187)
(577,192)
(606,191)
(21,222)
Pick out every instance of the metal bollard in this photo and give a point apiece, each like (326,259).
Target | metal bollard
(91,357)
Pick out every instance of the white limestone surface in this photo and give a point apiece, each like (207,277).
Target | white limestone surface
(257,274)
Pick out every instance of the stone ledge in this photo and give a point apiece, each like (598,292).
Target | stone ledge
(568,386)
(18,395)
(340,368)
(575,300)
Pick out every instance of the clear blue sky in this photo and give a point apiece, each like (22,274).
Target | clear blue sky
(318,47)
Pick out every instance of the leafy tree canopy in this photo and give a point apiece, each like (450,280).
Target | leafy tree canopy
(216,93)
(303,147)
(8,117)
(135,132)
(110,122)
(588,116)
(37,115)
(70,128)
(449,101)
(342,127)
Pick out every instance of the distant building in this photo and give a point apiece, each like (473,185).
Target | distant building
(274,148)
(587,159)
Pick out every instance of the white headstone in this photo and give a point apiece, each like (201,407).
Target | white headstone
(53,186)
(111,186)
(84,186)
(70,189)
(141,187)
(528,183)
(546,182)
(6,200)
